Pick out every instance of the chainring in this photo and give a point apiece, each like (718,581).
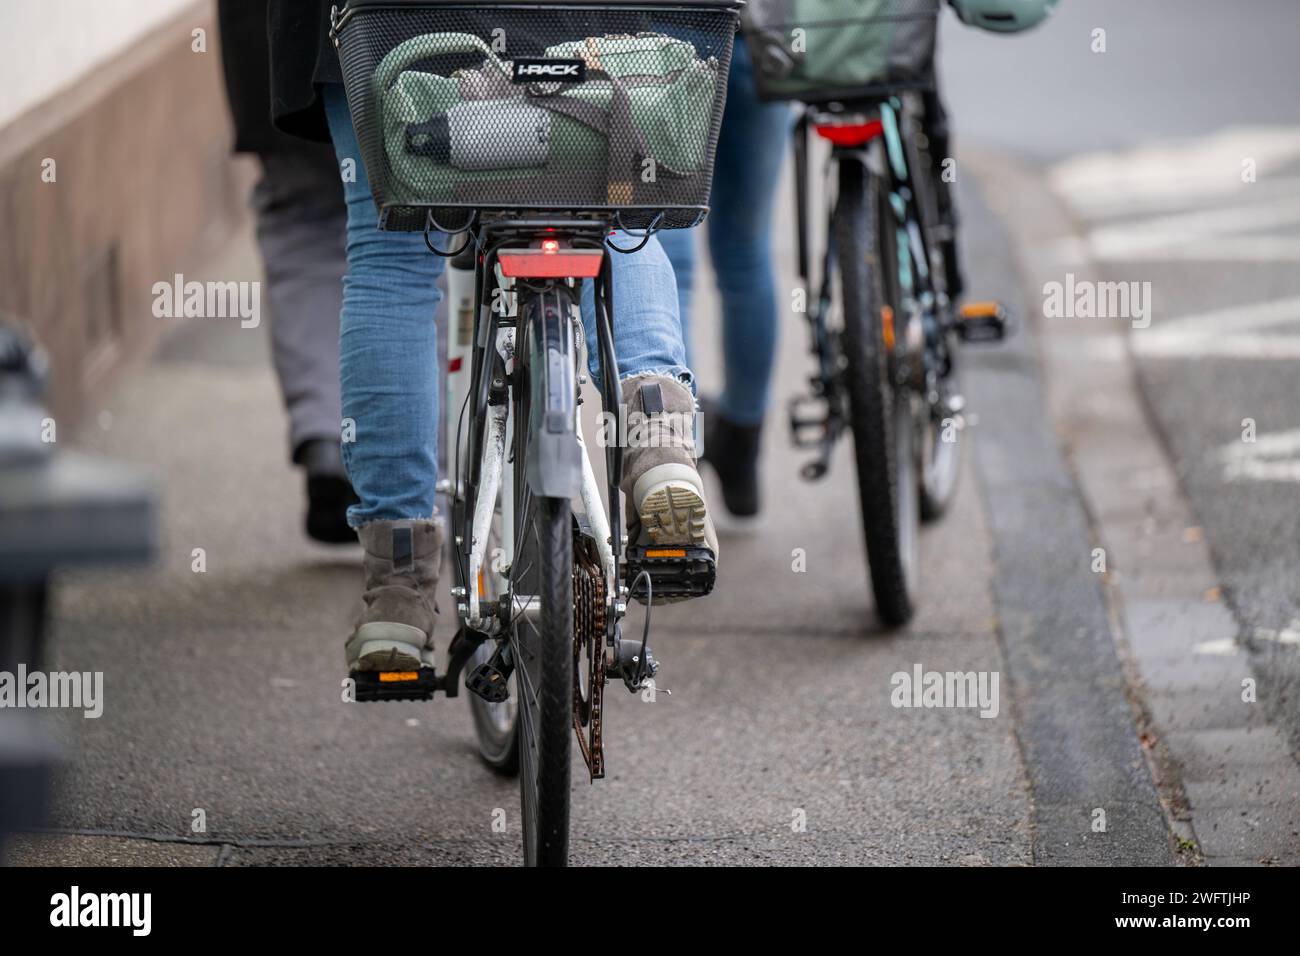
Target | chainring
(589,653)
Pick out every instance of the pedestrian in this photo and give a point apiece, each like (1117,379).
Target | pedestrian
(301,220)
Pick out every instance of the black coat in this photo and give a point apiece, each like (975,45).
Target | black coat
(246,66)
(302,58)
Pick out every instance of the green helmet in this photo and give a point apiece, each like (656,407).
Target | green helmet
(1003,16)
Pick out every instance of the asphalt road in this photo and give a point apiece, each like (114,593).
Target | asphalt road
(223,686)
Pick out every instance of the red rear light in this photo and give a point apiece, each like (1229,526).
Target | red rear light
(851,134)
(551,262)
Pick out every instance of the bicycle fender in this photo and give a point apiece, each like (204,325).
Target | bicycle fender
(554,468)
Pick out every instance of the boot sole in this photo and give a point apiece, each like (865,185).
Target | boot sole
(674,513)
(379,646)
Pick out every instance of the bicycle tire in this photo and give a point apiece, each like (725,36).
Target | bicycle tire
(543,649)
(881,416)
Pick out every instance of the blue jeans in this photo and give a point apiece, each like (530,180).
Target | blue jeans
(388,356)
(753,143)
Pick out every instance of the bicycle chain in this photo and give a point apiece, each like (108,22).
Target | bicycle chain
(589,640)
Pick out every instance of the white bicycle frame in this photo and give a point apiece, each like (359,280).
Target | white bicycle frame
(496,490)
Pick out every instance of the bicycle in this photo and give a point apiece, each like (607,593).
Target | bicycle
(542,587)
(883,329)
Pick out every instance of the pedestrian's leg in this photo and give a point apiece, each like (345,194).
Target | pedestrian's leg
(301,222)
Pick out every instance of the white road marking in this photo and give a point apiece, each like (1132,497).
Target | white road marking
(1165,173)
(1250,347)
(1287,635)
(1190,176)
(1226,249)
(1224,647)
(1119,203)
(1207,230)
(1235,318)
(1264,459)
(1224,332)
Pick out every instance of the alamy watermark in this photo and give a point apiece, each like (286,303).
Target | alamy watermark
(179,299)
(133,911)
(1084,299)
(947,689)
(633,429)
(77,690)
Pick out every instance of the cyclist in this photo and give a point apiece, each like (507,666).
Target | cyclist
(390,380)
(751,147)
(752,143)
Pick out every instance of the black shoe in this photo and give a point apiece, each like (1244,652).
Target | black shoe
(732,451)
(329,493)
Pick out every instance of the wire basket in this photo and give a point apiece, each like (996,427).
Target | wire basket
(819,51)
(612,109)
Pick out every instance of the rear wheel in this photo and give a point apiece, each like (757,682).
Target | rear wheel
(543,648)
(542,644)
(884,415)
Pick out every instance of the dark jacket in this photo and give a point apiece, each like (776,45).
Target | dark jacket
(302,58)
(246,65)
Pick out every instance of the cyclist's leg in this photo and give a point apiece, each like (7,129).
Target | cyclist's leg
(666,501)
(679,246)
(389,377)
(754,142)
(935,124)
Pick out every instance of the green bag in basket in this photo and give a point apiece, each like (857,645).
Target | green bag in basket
(449,138)
(833,49)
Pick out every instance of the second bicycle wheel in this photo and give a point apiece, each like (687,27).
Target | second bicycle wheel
(882,413)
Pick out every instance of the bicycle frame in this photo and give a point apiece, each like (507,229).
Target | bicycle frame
(488,333)
(873,137)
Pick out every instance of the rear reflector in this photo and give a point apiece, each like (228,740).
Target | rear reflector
(551,262)
(854,134)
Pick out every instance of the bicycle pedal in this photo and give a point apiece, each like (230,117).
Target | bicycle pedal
(981,322)
(396,685)
(488,682)
(675,571)
(807,433)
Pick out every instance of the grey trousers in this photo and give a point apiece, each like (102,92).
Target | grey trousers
(301,228)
